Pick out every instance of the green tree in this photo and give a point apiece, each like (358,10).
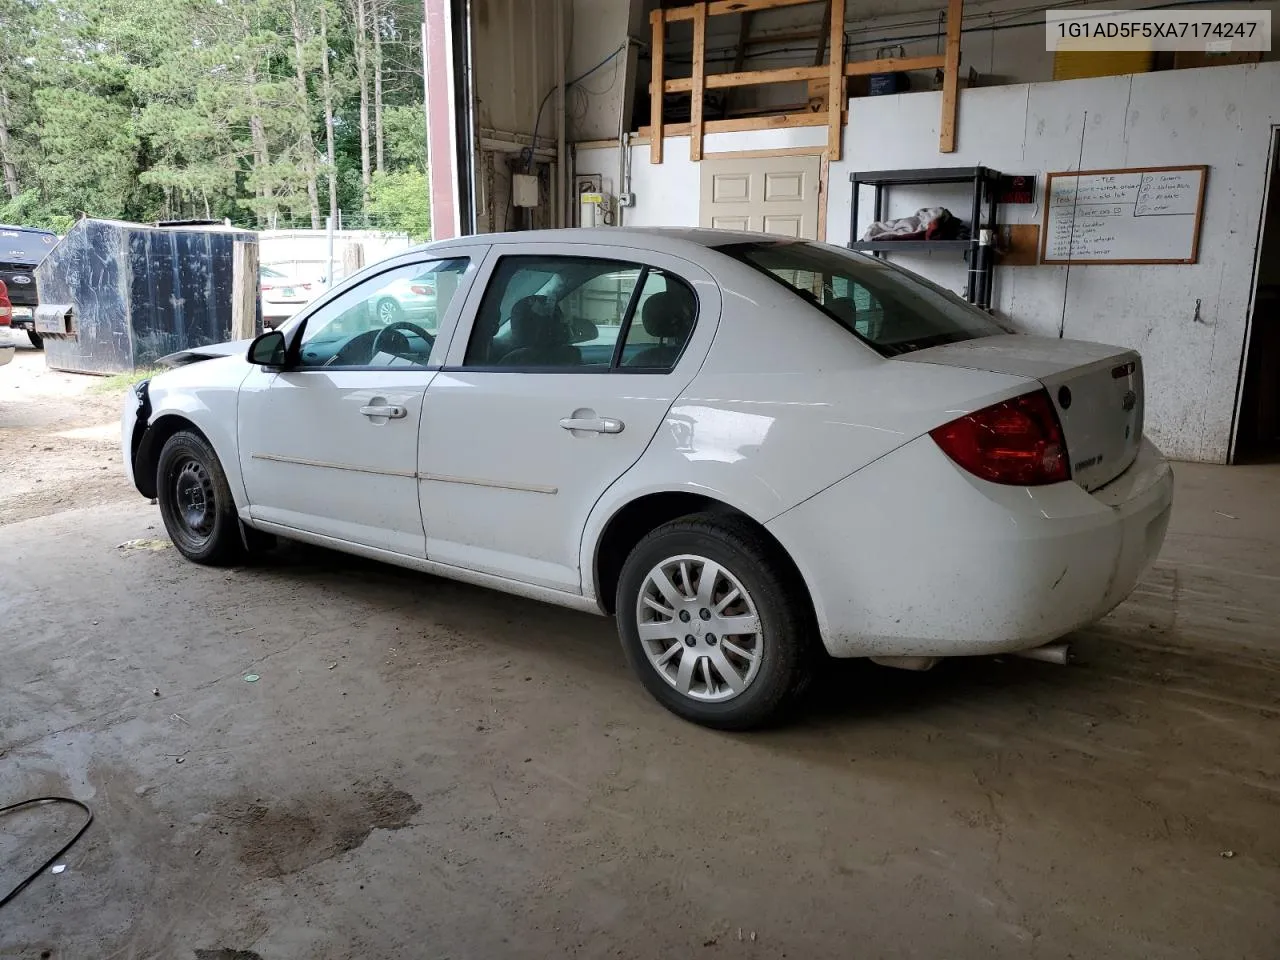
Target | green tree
(401,202)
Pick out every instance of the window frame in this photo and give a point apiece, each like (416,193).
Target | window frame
(617,263)
(295,330)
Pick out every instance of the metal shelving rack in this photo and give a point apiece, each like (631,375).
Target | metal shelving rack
(977,249)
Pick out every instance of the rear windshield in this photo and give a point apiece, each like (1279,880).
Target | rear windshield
(25,246)
(894,311)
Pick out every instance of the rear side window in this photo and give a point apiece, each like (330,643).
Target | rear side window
(891,309)
(580,314)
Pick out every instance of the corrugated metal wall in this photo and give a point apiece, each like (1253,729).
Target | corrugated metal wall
(514,44)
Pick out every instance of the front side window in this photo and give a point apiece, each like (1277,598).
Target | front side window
(891,309)
(581,314)
(390,320)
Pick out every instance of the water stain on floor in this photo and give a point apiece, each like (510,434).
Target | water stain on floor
(283,838)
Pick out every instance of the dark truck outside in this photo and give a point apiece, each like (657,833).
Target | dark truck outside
(21,250)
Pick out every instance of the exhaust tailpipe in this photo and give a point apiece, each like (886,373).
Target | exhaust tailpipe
(1059,653)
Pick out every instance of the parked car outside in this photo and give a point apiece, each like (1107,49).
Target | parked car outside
(6,317)
(409,298)
(21,250)
(282,295)
(751,451)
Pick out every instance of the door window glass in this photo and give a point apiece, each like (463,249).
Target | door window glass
(663,321)
(571,312)
(390,320)
(552,312)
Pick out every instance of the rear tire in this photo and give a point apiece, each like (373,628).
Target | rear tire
(37,341)
(195,501)
(389,311)
(719,582)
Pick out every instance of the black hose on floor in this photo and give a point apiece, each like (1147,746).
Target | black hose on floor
(65,847)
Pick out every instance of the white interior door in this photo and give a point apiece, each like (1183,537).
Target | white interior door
(778,195)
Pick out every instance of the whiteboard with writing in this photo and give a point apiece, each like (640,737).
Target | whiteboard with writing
(1149,215)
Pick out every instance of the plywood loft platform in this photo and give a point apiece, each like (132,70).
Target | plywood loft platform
(833,73)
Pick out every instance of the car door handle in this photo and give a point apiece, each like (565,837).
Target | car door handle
(390,411)
(593,424)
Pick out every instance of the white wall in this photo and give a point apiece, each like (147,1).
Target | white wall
(1220,116)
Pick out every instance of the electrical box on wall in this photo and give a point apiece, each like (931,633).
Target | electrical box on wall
(595,210)
(524,190)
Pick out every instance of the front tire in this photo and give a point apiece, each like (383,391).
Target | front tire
(195,501)
(714,622)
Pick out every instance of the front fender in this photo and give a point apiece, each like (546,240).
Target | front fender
(204,396)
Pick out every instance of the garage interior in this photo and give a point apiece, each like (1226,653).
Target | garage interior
(317,756)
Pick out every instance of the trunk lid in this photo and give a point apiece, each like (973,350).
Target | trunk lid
(1096,389)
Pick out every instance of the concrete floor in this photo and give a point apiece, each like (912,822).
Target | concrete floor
(428,770)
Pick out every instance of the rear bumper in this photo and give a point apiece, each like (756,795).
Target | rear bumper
(7,351)
(911,556)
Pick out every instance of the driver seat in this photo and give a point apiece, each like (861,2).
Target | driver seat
(540,335)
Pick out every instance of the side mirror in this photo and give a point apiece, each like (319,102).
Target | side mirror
(268,350)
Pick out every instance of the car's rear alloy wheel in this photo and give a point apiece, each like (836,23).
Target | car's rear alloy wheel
(713,621)
(699,628)
(389,311)
(195,501)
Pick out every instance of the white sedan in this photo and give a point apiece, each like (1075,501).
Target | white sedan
(282,295)
(749,450)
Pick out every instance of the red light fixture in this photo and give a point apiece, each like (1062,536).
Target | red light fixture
(1018,442)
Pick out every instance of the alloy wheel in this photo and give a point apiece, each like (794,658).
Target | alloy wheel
(699,628)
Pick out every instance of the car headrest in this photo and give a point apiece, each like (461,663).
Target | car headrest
(668,314)
(535,322)
(844,308)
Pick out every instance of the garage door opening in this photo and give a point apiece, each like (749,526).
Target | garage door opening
(1258,429)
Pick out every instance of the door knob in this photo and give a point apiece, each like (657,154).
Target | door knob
(593,424)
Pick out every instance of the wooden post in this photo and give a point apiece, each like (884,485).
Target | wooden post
(835,82)
(657,77)
(352,259)
(951,78)
(699,78)
(244,290)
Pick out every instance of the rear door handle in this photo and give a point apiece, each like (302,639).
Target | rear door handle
(390,411)
(593,424)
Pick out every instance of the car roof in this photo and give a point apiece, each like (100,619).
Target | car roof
(689,240)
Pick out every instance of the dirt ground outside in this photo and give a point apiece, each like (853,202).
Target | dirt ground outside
(59,440)
(423,769)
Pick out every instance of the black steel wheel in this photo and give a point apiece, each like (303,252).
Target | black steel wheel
(195,501)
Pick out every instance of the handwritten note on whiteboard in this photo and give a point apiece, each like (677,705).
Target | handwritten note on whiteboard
(1123,216)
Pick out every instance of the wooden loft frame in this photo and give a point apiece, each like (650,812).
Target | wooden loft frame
(834,72)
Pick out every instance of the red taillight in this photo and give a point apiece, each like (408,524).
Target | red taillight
(1017,442)
(265,287)
(420,289)
(6,315)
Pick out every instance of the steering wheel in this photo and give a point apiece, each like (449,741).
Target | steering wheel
(382,342)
